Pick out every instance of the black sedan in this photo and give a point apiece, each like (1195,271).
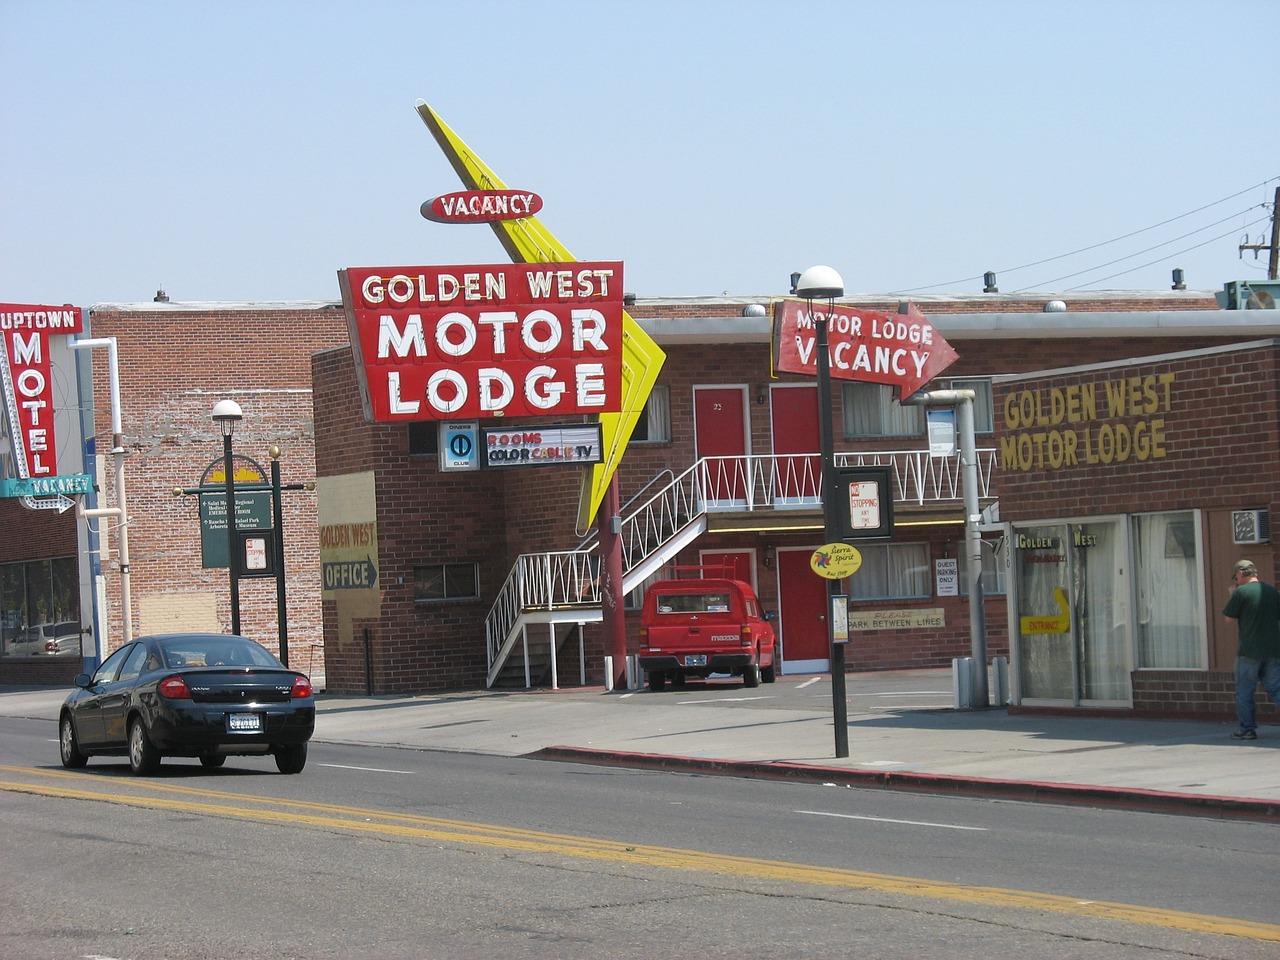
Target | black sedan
(203,695)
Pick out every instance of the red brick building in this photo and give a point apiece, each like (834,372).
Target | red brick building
(428,554)
(717,407)
(176,360)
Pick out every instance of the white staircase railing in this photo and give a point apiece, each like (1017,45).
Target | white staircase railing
(545,585)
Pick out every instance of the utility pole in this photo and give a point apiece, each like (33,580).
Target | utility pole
(1273,263)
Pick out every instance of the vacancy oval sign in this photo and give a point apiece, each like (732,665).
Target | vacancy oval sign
(482,206)
(835,561)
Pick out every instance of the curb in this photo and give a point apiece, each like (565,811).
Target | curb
(1116,798)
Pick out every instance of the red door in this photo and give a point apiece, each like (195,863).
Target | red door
(802,618)
(720,434)
(733,565)
(793,414)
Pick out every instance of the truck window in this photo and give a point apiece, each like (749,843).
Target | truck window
(693,603)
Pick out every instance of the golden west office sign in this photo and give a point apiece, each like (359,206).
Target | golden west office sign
(1104,422)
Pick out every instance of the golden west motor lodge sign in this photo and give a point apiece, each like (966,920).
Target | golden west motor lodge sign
(470,342)
(1101,422)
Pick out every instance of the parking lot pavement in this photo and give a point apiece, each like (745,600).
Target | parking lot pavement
(903,734)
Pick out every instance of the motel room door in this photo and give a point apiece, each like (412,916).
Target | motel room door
(793,416)
(720,433)
(1073,613)
(802,617)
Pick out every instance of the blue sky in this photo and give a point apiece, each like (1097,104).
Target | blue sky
(249,150)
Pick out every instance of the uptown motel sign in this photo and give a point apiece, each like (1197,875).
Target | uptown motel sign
(901,350)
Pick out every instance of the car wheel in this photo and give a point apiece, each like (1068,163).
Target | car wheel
(211,761)
(69,746)
(770,673)
(657,680)
(144,758)
(291,758)
(751,675)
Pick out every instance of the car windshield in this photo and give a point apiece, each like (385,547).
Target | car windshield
(693,603)
(215,651)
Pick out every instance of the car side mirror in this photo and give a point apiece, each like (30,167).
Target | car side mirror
(83,680)
(771,614)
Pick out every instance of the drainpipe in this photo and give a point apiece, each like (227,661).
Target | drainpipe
(962,401)
(119,510)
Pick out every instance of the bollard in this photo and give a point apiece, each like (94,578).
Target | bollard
(1000,681)
(608,674)
(962,682)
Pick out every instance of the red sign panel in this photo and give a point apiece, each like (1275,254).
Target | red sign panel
(28,386)
(902,350)
(482,206)
(504,340)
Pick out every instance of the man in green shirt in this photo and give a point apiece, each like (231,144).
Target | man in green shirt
(1255,606)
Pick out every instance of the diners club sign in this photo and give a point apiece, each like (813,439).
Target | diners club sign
(503,340)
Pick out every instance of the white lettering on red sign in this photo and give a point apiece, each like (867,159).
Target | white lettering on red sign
(505,340)
(26,330)
(901,350)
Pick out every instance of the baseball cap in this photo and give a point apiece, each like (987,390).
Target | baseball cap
(1245,566)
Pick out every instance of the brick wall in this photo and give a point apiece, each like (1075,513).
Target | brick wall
(1193,694)
(175,364)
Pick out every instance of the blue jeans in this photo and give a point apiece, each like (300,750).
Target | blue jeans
(1249,673)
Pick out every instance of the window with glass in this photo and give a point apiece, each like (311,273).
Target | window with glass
(654,426)
(443,582)
(40,608)
(1169,615)
(871,410)
(892,571)
(983,410)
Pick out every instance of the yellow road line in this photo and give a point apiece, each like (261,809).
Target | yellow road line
(338,817)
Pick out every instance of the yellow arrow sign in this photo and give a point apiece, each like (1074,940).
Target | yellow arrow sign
(1049,623)
(528,241)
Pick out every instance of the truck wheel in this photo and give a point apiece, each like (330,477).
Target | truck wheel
(657,680)
(770,673)
(751,675)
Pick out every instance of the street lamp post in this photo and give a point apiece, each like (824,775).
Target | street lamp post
(824,283)
(226,414)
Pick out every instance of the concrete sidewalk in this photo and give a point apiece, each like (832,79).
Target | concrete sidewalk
(902,735)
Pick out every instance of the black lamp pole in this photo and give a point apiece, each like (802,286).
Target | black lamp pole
(813,284)
(226,413)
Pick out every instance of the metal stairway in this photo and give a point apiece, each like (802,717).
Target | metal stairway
(561,590)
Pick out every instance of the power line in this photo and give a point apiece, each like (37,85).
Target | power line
(1162,259)
(1103,243)
(1137,253)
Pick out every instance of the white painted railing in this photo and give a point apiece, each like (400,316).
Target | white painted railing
(570,578)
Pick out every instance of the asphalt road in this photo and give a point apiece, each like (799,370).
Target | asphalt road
(396,853)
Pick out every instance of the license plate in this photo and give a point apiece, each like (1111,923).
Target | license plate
(696,660)
(244,723)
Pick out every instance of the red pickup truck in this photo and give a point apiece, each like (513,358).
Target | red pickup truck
(694,628)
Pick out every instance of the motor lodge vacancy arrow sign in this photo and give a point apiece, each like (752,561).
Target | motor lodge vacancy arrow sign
(902,350)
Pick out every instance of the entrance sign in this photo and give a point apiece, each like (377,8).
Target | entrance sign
(901,350)
(460,342)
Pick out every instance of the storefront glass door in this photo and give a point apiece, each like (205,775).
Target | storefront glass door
(1073,612)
